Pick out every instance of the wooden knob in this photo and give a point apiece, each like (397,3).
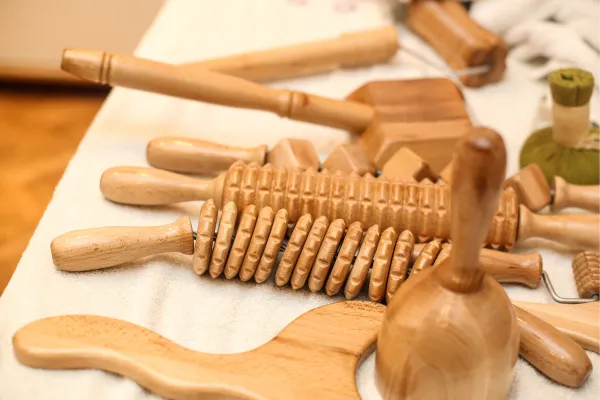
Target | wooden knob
(576,231)
(552,352)
(150,186)
(97,248)
(180,154)
(586,197)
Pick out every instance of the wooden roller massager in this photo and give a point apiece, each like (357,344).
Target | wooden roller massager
(422,208)
(325,355)
(427,115)
(247,243)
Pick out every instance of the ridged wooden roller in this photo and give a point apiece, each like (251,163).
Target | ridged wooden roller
(422,208)
(586,269)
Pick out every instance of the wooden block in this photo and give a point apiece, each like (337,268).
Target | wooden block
(294,153)
(446,174)
(461,41)
(406,166)
(349,158)
(531,187)
(425,115)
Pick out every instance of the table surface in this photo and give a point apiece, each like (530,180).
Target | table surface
(163,293)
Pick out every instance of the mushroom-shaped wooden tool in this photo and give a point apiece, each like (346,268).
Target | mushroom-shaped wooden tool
(451,332)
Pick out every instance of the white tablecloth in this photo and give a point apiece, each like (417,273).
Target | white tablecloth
(163,293)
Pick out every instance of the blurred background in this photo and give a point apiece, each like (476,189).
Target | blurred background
(44,112)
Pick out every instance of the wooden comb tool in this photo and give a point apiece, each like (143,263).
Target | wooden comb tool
(315,356)
(472,345)
(180,154)
(247,242)
(386,114)
(533,191)
(422,208)
(349,50)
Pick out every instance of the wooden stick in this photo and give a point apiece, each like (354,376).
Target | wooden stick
(213,87)
(349,50)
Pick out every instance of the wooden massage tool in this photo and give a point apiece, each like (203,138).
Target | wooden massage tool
(315,357)
(460,41)
(428,115)
(533,191)
(188,155)
(349,50)
(257,241)
(422,208)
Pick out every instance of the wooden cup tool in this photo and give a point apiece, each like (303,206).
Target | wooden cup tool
(428,115)
(460,41)
(424,209)
(321,349)
(317,252)
(349,50)
(180,154)
(533,191)
(455,319)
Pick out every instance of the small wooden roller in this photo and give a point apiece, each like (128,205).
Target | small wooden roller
(422,208)
(318,252)
(586,268)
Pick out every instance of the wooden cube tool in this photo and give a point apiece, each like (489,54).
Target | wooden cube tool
(426,115)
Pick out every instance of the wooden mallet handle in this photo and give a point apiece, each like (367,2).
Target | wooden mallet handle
(213,87)
(552,352)
(181,154)
(354,49)
(577,231)
(97,248)
(586,197)
(150,186)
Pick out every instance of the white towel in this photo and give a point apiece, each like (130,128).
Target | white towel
(163,293)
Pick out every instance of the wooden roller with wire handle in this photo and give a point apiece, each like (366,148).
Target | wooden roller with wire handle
(422,208)
(317,254)
(428,115)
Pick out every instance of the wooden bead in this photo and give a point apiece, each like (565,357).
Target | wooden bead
(204,237)
(344,259)
(586,270)
(257,243)
(399,265)
(426,258)
(349,158)
(359,272)
(241,241)
(293,249)
(309,252)
(223,241)
(381,264)
(327,251)
(269,256)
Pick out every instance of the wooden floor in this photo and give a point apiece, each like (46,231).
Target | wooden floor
(40,129)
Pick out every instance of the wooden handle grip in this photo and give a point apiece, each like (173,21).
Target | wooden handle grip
(213,87)
(197,156)
(525,269)
(552,352)
(348,50)
(577,231)
(586,197)
(97,248)
(478,170)
(150,186)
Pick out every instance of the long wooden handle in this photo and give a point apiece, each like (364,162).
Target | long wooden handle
(353,49)
(150,186)
(577,231)
(525,269)
(478,170)
(197,156)
(552,352)
(213,87)
(586,197)
(97,248)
